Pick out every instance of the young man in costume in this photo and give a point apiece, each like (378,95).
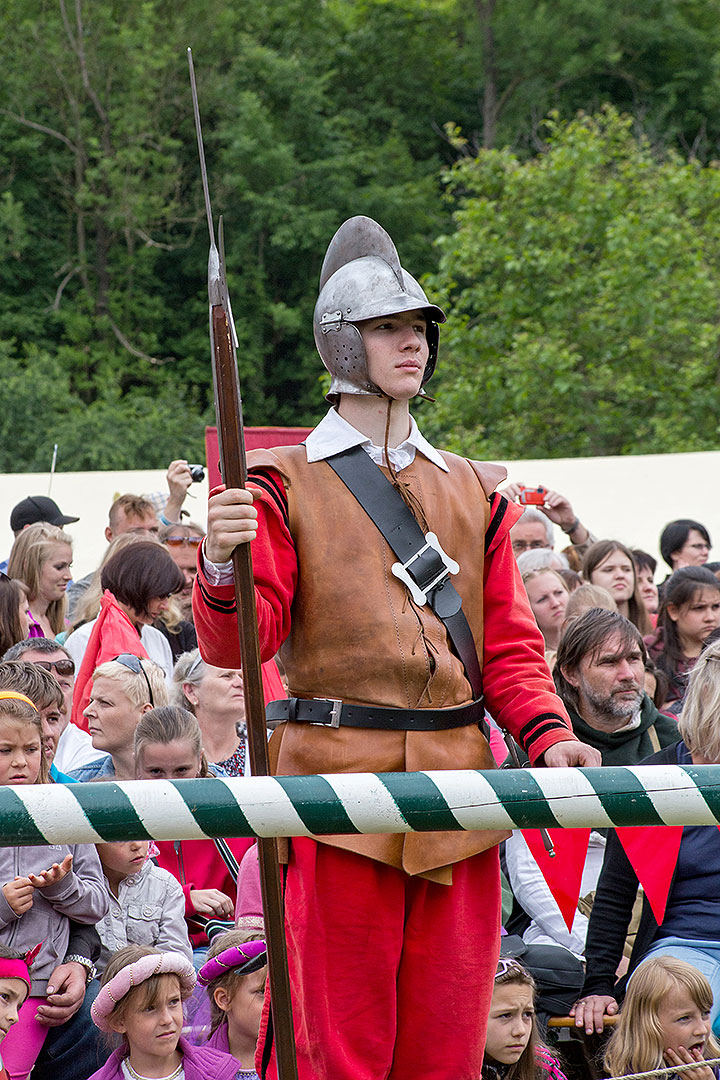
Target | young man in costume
(393,939)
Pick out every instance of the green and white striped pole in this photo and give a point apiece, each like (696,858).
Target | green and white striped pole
(360,803)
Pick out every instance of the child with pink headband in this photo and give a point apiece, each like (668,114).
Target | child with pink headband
(141,998)
(14,989)
(234,974)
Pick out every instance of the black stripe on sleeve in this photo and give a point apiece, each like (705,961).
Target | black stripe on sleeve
(540,726)
(225,607)
(268,485)
(498,513)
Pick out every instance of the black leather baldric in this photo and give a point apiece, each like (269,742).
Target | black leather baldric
(332,713)
(390,514)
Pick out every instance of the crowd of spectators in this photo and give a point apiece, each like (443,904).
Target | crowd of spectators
(101,679)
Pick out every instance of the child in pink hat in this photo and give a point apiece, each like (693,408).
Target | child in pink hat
(141,999)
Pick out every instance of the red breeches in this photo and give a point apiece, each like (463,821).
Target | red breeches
(391,975)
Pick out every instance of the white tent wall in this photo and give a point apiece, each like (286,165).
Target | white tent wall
(89,496)
(626,498)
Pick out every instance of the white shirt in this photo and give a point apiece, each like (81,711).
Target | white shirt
(334,434)
(74,749)
(156,646)
(331,436)
(532,891)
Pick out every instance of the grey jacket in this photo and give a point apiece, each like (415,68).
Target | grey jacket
(149,910)
(80,896)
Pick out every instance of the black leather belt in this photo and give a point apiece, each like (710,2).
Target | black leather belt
(329,712)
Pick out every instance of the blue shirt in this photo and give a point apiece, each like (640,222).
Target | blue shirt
(61,777)
(103,769)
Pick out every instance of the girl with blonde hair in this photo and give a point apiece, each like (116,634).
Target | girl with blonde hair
(664,1021)
(168,746)
(41,558)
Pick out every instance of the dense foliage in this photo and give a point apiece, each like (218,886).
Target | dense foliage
(585,292)
(577,259)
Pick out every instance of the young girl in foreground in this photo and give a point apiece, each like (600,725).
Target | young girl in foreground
(513,1047)
(235,974)
(42,887)
(141,998)
(664,1021)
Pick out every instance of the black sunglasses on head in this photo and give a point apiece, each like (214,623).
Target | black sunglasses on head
(132,663)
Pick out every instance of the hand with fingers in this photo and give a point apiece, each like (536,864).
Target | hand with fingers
(589,1012)
(681,1056)
(19,894)
(65,995)
(52,875)
(212,903)
(232,520)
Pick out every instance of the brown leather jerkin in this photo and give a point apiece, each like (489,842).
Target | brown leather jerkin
(357,635)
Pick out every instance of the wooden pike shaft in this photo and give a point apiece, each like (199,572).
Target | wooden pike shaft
(229,415)
(228,406)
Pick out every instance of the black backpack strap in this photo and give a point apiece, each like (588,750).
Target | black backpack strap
(422,565)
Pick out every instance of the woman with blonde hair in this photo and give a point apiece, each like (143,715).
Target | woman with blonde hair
(41,558)
(548,595)
(123,690)
(664,1021)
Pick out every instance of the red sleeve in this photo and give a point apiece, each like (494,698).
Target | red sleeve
(519,689)
(275,572)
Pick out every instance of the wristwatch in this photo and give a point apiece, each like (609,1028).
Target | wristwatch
(75,958)
(571,527)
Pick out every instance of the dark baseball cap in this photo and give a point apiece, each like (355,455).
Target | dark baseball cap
(38,508)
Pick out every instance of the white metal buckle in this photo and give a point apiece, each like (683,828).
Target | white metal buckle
(400,570)
(334,713)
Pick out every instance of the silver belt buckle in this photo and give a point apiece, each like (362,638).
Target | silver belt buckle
(334,713)
(400,570)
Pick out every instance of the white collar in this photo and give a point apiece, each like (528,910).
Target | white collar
(334,434)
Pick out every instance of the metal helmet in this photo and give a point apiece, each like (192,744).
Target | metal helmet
(361,278)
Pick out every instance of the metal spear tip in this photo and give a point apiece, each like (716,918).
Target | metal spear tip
(215,278)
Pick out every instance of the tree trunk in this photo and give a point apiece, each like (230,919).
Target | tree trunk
(485,10)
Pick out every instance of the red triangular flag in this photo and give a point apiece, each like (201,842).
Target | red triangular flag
(653,854)
(564,872)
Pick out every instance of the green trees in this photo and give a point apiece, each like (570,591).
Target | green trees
(584,289)
(314,110)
